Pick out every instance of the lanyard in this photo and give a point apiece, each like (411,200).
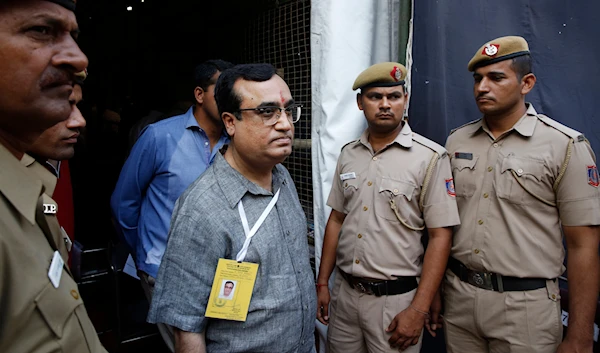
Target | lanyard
(250,232)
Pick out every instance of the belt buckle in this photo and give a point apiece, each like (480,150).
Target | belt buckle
(480,279)
(361,287)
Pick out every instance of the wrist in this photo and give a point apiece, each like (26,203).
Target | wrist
(319,285)
(422,312)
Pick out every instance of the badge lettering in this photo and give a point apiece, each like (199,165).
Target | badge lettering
(347,176)
(56,267)
(50,208)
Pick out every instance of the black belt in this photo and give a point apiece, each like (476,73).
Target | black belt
(494,281)
(400,285)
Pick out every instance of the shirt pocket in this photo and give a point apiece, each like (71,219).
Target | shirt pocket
(63,311)
(398,190)
(463,171)
(351,187)
(528,172)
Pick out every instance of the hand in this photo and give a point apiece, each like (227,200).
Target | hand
(406,328)
(435,319)
(323,304)
(575,346)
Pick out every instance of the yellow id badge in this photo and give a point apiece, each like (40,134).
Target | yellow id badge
(231,290)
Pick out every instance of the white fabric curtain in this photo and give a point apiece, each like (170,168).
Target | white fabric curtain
(347,36)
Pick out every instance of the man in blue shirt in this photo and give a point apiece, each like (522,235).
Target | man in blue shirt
(168,156)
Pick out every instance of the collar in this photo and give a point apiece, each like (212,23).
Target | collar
(234,185)
(192,122)
(191,119)
(524,126)
(20,187)
(42,171)
(404,137)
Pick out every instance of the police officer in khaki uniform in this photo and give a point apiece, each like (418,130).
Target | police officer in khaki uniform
(519,177)
(41,309)
(388,186)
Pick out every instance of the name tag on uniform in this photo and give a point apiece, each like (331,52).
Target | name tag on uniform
(347,176)
(56,267)
(231,290)
(463,155)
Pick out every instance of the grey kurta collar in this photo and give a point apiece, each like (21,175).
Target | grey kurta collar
(234,185)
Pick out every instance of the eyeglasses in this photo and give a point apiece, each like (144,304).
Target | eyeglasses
(271,114)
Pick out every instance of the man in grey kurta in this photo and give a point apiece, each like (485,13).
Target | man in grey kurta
(206,226)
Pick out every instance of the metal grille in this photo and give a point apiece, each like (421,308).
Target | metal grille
(281,36)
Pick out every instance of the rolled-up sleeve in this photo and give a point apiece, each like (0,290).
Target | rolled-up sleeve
(578,194)
(439,206)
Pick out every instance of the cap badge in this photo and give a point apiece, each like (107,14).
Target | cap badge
(491,49)
(396,73)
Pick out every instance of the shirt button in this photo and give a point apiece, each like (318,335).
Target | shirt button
(476,251)
(74,294)
(480,222)
(357,262)
(365,208)
(395,191)
(287,232)
(359,236)
(369,183)
(346,185)
(520,171)
(553,296)
(485,196)
(495,145)
(374,158)
(490,169)
(205,143)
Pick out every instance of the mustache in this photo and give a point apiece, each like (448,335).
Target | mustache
(56,77)
(482,95)
(389,113)
(288,135)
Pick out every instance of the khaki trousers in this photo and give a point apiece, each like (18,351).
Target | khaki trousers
(358,321)
(166,331)
(480,320)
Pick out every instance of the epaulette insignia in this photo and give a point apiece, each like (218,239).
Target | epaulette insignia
(440,150)
(574,134)
(344,146)
(467,124)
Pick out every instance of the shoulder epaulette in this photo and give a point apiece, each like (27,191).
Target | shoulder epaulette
(574,134)
(353,141)
(439,149)
(467,124)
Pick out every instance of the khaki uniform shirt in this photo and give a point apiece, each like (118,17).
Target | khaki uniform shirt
(35,316)
(373,243)
(504,229)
